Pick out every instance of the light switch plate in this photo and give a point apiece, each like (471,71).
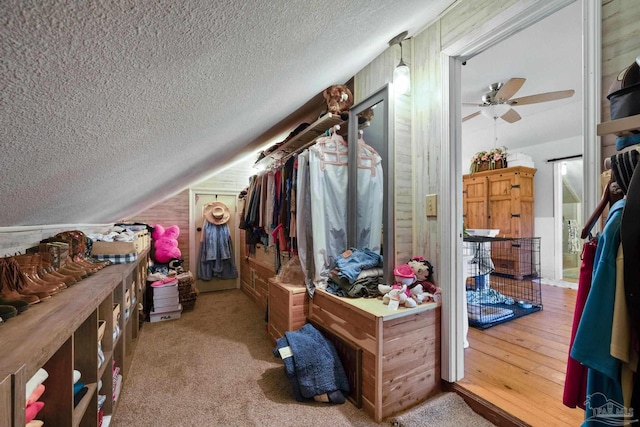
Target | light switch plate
(431,204)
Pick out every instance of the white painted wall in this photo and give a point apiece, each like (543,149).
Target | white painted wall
(544,192)
(544,189)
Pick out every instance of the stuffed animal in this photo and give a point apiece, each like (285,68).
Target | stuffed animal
(423,271)
(338,98)
(404,277)
(365,116)
(165,243)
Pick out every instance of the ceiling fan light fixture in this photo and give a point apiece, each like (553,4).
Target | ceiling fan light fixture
(401,74)
(494,111)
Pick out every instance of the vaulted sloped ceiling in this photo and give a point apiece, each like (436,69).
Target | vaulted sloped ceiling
(109,106)
(548,54)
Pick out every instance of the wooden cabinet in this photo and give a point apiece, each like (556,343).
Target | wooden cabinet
(503,199)
(500,199)
(60,335)
(474,201)
(400,350)
(288,308)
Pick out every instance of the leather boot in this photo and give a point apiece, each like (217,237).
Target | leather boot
(52,284)
(37,267)
(28,266)
(7,289)
(23,284)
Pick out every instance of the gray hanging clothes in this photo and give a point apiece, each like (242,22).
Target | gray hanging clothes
(216,253)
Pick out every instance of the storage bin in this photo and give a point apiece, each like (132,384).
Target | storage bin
(167,315)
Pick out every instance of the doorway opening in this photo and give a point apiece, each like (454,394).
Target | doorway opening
(199,201)
(568,184)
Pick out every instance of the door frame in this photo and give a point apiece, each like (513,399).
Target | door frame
(521,15)
(557,222)
(193,247)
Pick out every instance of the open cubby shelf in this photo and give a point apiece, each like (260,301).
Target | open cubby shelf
(60,335)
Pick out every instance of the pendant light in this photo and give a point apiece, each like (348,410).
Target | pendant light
(401,75)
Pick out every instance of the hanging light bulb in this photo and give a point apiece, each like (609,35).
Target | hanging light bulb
(401,74)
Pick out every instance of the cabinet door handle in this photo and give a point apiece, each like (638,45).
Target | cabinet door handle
(515,215)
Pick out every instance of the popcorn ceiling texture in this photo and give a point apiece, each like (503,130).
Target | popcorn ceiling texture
(109,106)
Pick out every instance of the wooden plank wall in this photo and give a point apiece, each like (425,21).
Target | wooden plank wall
(172,211)
(426,142)
(18,241)
(175,209)
(468,15)
(620,47)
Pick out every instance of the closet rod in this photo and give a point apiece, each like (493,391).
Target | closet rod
(300,149)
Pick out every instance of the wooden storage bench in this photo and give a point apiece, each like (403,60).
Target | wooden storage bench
(400,349)
(288,308)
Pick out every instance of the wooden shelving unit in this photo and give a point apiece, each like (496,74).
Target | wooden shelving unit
(619,127)
(301,140)
(61,335)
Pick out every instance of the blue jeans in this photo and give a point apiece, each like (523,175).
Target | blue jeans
(360,259)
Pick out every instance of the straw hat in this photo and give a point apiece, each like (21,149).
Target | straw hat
(217,213)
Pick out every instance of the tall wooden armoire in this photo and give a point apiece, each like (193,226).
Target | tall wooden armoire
(503,199)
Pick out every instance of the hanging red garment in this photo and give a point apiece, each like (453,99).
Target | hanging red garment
(575,384)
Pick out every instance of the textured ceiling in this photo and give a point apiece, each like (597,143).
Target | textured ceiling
(109,106)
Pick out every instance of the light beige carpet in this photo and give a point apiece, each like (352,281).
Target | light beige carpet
(215,367)
(444,410)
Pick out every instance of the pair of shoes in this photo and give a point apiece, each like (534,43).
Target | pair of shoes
(19,304)
(24,284)
(8,285)
(7,312)
(30,264)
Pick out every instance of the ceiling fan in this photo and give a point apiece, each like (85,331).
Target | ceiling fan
(497,103)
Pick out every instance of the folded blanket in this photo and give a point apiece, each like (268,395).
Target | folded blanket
(314,367)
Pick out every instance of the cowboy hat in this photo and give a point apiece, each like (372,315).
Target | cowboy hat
(217,213)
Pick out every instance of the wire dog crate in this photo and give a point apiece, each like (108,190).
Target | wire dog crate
(502,279)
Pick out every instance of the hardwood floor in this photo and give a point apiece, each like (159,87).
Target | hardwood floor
(520,365)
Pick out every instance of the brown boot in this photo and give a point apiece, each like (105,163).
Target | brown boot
(23,284)
(7,289)
(45,272)
(30,269)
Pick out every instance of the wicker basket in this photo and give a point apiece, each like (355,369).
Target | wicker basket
(188,302)
(187,291)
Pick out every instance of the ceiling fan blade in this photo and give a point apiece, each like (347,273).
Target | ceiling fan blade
(470,116)
(509,89)
(471,104)
(511,116)
(542,97)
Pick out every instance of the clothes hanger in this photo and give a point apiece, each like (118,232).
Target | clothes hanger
(611,194)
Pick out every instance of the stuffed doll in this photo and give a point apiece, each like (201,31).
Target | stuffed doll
(423,271)
(404,277)
(165,243)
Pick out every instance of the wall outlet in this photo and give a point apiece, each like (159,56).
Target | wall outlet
(431,205)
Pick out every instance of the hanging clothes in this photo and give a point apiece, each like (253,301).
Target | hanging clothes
(216,246)
(329,181)
(304,223)
(595,328)
(575,384)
